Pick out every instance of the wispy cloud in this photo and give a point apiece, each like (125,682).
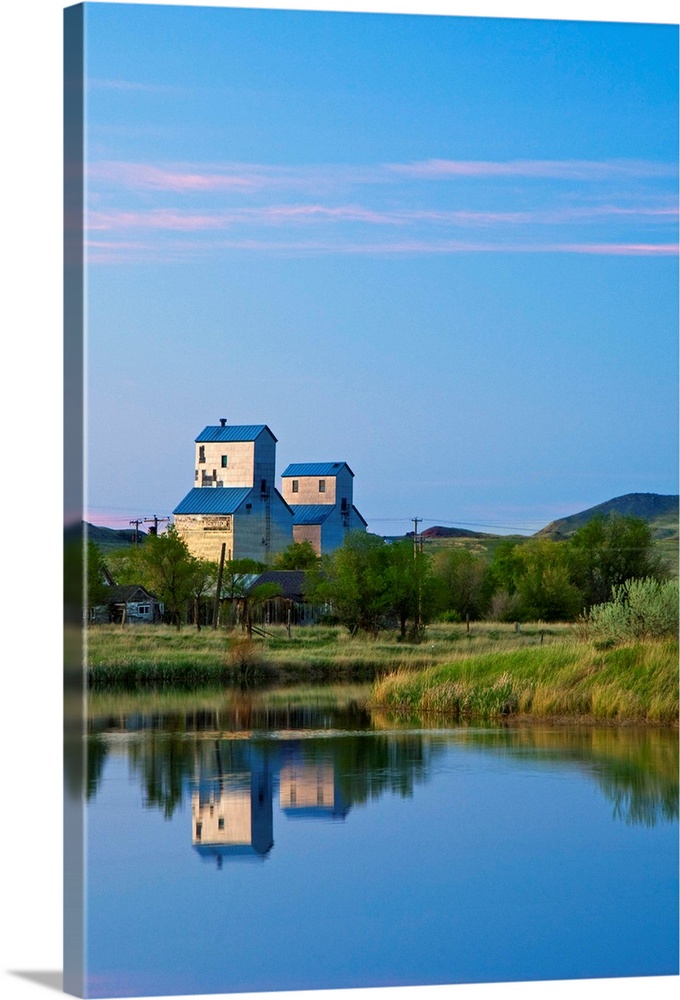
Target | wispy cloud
(587,170)
(218,177)
(147,177)
(300,215)
(522,206)
(133,86)
(103,251)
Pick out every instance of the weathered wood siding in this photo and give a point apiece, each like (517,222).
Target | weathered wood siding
(308,533)
(248,462)
(204,534)
(337,488)
(244,533)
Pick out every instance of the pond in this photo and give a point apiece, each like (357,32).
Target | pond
(247,844)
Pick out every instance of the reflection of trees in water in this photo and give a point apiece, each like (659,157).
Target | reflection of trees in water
(366,767)
(369,766)
(84,768)
(94,767)
(164,761)
(638,798)
(636,769)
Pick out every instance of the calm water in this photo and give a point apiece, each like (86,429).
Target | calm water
(258,848)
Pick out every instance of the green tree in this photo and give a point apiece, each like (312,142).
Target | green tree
(125,564)
(461,577)
(298,555)
(353,580)
(543,582)
(411,588)
(533,580)
(610,550)
(96,580)
(170,571)
(504,569)
(203,581)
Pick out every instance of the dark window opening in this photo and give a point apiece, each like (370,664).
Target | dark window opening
(322,486)
(201,453)
(296,485)
(224,461)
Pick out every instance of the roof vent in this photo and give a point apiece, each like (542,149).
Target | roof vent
(223,421)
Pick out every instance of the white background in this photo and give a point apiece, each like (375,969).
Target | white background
(31,402)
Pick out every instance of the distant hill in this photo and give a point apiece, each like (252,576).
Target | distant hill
(106,538)
(438,532)
(660,510)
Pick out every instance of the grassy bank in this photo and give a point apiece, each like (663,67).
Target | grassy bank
(158,656)
(492,671)
(632,683)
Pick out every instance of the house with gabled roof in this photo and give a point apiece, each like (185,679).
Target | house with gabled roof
(234,500)
(321,497)
(127,603)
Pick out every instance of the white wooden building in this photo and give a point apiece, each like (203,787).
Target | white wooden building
(321,497)
(234,500)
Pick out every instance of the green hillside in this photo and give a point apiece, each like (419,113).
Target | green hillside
(108,539)
(659,510)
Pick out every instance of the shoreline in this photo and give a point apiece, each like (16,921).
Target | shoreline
(541,675)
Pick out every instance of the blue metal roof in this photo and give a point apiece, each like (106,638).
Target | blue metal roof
(233,432)
(316,469)
(312,513)
(213,500)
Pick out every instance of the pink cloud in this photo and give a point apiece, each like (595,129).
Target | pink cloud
(437,169)
(270,215)
(276,215)
(144,176)
(108,251)
(623,249)
(192,178)
(131,85)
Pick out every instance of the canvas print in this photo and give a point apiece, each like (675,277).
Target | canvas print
(371,495)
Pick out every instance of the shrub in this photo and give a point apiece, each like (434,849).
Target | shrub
(639,609)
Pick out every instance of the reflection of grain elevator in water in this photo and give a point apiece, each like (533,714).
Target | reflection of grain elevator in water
(232,804)
(231,811)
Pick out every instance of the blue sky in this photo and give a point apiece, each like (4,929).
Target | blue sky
(444,250)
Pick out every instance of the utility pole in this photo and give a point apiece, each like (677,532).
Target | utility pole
(416,549)
(416,521)
(156,521)
(136,524)
(218,589)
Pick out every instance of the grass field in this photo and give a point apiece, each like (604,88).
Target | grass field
(632,683)
(143,655)
(492,671)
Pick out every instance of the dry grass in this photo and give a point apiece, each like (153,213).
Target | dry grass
(140,655)
(631,683)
